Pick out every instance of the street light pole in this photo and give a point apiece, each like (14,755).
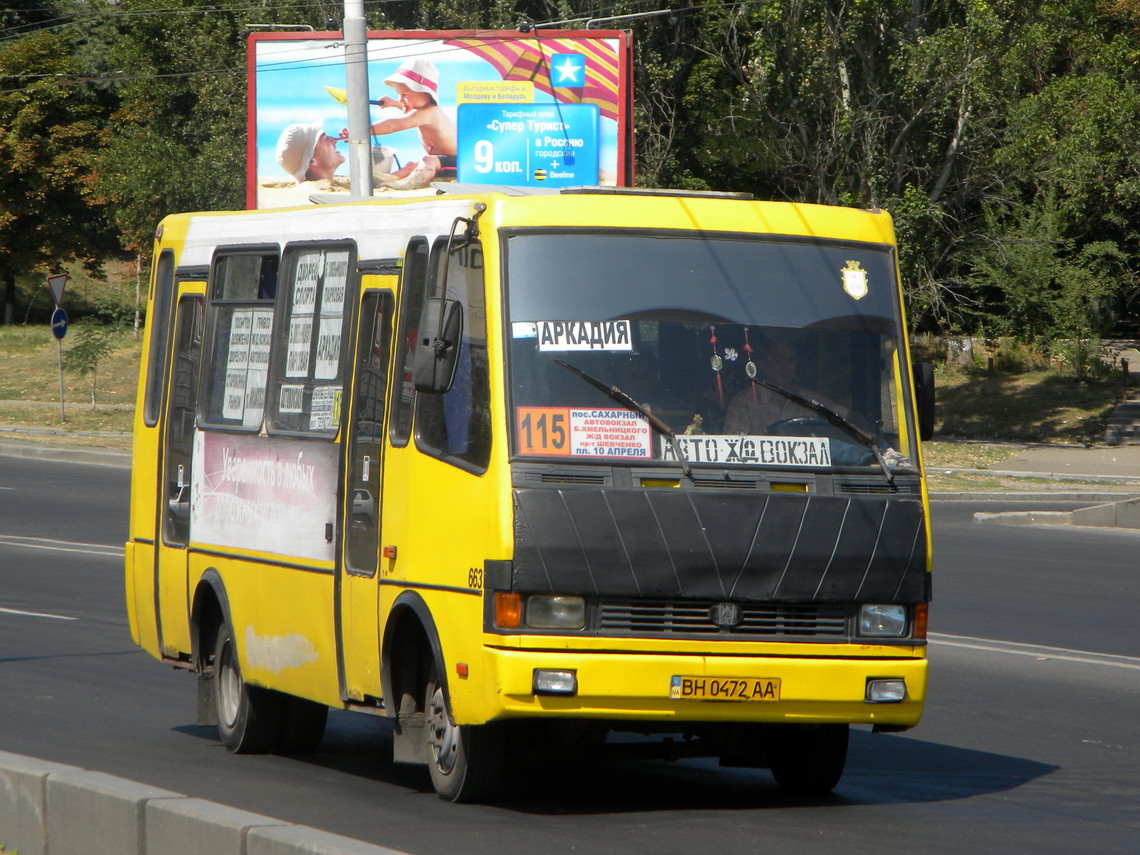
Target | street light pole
(356,85)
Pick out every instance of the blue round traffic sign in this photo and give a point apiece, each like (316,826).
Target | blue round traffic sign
(59,322)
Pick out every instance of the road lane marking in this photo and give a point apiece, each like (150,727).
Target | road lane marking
(34,614)
(61,545)
(1037,651)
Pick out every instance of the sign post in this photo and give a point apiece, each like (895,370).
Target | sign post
(56,284)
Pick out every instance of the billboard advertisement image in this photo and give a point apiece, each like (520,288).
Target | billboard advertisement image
(541,109)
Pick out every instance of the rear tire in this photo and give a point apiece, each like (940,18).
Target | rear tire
(466,762)
(249,718)
(808,759)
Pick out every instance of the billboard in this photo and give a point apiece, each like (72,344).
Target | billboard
(542,109)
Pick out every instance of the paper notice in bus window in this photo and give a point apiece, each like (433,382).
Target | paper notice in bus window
(328,349)
(234,404)
(241,326)
(291,399)
(797,451)
(254,397)
(325,412)
(584,335)
(336,279)
(297,355)
(261,336)
(584,433)
(308,273)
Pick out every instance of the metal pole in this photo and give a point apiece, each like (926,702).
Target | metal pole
(356,84)
(59,353)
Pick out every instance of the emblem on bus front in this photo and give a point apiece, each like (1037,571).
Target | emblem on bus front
(725,615)
(854,280)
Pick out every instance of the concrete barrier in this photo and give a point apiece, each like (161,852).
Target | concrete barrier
(53,809)
(1123,514)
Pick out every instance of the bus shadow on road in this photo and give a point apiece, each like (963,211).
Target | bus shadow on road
(881,770)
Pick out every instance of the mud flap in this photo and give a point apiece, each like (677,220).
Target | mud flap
(207,709)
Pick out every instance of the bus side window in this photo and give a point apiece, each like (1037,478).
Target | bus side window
(242,290)
(318,287)
(159,329)
(413,287)
(456,425)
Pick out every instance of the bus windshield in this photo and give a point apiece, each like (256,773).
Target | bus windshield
(751,351)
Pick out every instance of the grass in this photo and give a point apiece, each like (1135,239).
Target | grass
(983,418)
(30,393)
(1039,405)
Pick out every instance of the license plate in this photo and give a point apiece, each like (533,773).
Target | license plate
(725,688)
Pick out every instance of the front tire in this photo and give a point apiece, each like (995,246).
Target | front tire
(808,759)
(249,718)
(466,762)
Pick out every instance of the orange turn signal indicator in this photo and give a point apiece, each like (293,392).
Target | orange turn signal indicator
(920,614)
(508,610)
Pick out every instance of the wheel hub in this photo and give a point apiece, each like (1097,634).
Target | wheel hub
(442,735)
(228,686)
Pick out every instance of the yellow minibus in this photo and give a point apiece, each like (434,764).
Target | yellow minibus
(507,466)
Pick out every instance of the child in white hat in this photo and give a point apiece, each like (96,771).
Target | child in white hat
(416,82)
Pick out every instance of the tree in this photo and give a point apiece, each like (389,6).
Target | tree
(94,343)
(49,129)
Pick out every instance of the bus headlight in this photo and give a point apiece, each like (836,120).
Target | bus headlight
(555,612)
(548,682)
(885,690)
(888,621)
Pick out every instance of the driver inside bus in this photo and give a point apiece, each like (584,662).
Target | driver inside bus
(755,408)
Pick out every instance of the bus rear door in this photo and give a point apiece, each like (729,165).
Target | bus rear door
(174,486)
(358,641)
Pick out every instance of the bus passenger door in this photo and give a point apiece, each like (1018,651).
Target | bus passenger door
(174,491)
(358,640)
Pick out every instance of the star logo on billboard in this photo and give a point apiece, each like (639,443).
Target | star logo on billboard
(569,70)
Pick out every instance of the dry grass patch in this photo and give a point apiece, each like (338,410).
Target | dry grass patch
(31,369)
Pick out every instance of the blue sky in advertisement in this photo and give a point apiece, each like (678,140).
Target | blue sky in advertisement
(292,76)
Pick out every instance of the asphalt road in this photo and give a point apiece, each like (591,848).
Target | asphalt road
(1028,745)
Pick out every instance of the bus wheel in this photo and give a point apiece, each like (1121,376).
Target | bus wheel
(249,718)
(466,762)
(807,759)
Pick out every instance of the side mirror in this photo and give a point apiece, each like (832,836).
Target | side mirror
(924,397)
(437,345)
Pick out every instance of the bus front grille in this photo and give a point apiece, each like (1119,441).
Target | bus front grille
(695,617)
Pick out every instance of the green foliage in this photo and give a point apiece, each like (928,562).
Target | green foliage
(1036,281)
(93,343)
(48,133)
(1003,136)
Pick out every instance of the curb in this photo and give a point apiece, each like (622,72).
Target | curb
(1054,496)
(90,813)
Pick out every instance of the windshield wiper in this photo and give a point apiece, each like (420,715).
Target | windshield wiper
(835,419)
(625,400)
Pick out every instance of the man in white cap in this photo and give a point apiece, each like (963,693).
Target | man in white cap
(416,82)
(307,153)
